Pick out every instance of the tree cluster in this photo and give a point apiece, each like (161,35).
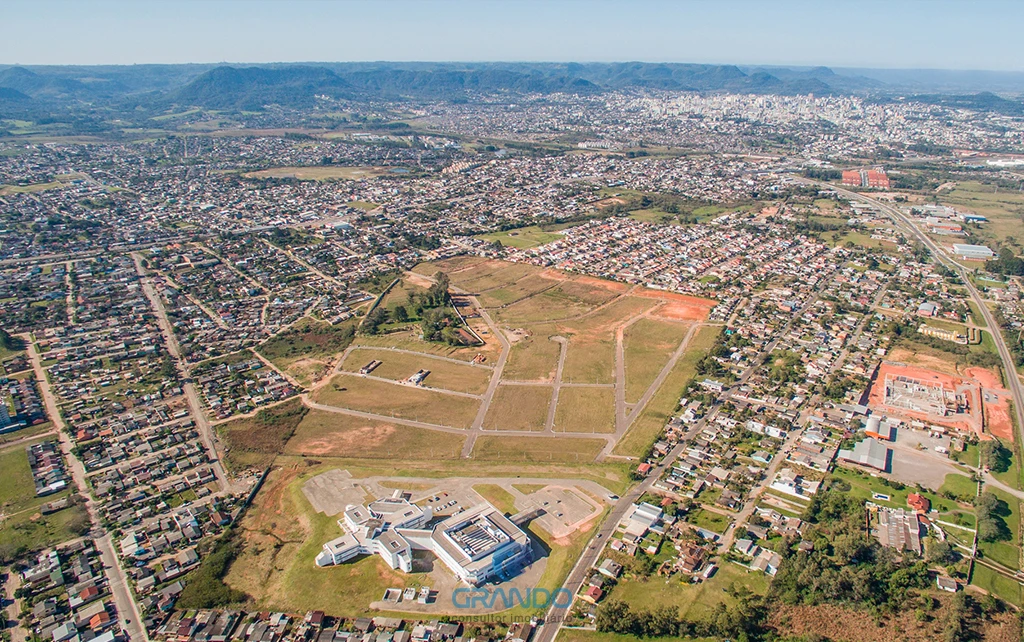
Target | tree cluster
(990,511)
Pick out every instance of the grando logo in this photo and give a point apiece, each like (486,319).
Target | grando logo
(535,598)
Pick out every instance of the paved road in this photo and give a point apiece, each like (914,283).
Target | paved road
(563,349)
(131,619)
(205,429)
(492,386)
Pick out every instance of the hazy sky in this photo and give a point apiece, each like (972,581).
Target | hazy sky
(938,34)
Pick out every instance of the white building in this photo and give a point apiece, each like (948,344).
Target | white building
(973,252)
(478,545)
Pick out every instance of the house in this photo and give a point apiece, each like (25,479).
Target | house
(946,583)
(610,568)
(918,503)
(593,595)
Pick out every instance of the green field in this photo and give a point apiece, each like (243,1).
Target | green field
(585,410)
(23,527)
(997,584)
(1006,552)
(659,410)
(404,401)
(694,601)
(498,497)
(400,365)
(518,408)
(648,345)
(525,237)
(532,449)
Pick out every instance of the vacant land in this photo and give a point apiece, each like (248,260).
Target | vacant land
(305,349)
(526,237)
(256,440)
(319,173)
(22,527)
(329,434)
(659,410)
(1002,208)
(534,357)
(532,449)
(498,497)
(282,535)
(405,401)
(649,344)
(399,366)
(694,601)
(585,410)
(518,408)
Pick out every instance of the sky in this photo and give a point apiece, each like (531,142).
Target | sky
(902,34)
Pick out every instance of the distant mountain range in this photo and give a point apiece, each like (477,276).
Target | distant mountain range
(251,87)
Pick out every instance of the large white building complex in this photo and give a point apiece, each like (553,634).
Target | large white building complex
(478,545)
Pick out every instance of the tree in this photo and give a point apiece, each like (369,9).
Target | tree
(400,313)
(941,553)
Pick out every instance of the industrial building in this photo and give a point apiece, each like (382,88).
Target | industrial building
(478,545)
(899,529)
(973,252)
(870,453)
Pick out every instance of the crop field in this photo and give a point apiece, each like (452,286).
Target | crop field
(399,366)
(403,401)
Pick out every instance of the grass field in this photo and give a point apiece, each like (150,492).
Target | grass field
(411,341)
(997,584)
(648,344)
(533,358)
(529,449)
(256,440)
(1002,208)
(525,237)
(399,365)
(318,173)
(498,497)
(518,408)
(585,410)
(23,527)
(694,601)
(1006,552)
(301,350)
(329,434)
(959,485)
(659,410)
(404,401)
